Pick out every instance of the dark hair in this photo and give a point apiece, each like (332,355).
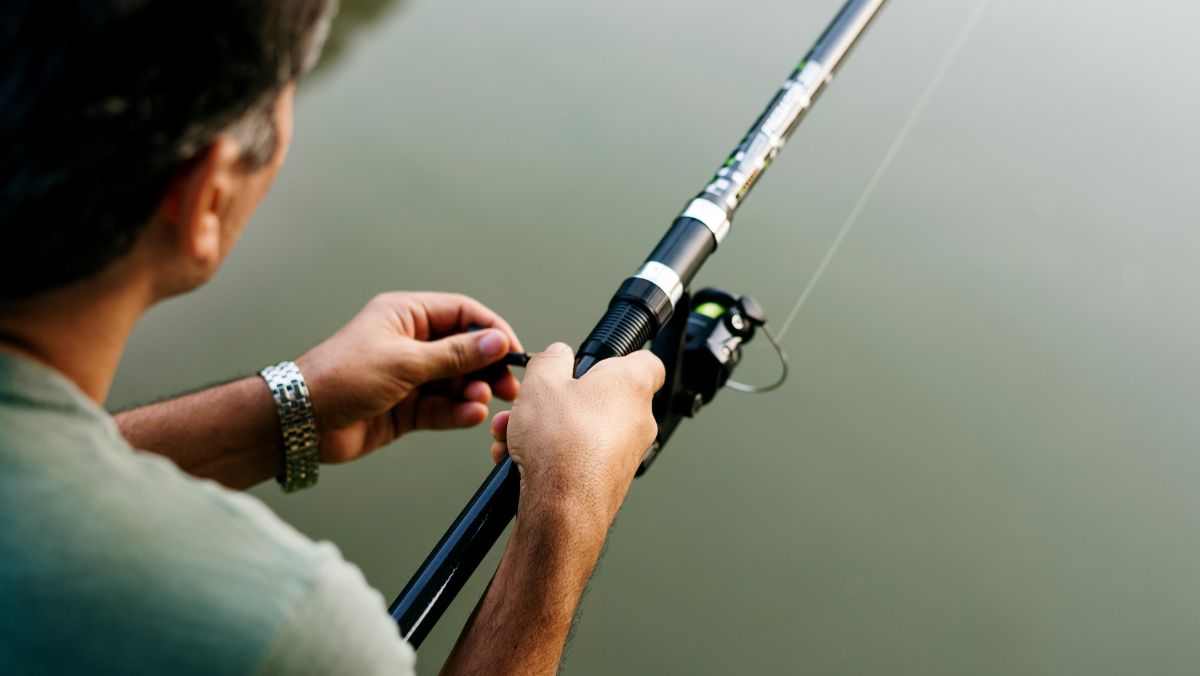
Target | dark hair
(103,101)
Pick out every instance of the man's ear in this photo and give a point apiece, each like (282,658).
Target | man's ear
(197,204)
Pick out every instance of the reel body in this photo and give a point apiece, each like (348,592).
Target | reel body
(700,349)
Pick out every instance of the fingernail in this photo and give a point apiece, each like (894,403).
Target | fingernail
(492,344)
(561,348)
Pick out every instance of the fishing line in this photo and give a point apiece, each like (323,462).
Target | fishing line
(886,163)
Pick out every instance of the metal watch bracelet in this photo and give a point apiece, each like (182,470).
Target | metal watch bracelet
(296,423)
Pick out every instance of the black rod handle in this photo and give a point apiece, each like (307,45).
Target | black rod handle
(626,327)
(457,554)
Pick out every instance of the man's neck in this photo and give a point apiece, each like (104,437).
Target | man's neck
(79,330)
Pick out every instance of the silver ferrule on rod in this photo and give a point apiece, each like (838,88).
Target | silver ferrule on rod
(719,200)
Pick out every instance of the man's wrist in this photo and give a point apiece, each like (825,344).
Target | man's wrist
(570,522)
(586,506)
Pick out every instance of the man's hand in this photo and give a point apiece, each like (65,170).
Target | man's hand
(399,366)
(577,444)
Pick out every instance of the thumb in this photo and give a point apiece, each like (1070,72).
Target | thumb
(461,353)
(557,362)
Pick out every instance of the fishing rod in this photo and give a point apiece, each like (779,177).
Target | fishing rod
(699,338)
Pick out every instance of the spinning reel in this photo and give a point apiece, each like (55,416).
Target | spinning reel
(700,349)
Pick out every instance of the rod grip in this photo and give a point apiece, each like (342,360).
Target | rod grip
(623,329)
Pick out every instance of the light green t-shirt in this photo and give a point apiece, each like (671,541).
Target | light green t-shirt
(114,561)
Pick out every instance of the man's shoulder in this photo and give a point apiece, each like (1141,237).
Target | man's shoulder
(76,485)
(119,554)
(115,561)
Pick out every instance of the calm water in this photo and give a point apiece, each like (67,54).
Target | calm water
(986,461)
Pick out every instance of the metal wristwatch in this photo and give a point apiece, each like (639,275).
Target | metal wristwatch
(300,443)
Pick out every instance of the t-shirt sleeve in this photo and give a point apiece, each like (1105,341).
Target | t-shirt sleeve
(341,627)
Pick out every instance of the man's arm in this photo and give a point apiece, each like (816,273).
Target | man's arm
(228,433)
(396,367)
(521,624)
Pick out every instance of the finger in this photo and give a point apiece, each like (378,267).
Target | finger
(477,391)
(448,387)
(507,388)
(450,313)
(445,413)
(556,363)
(499,450)
(642,368)
(500,426)
(459,354)
(649,365)
(459,388)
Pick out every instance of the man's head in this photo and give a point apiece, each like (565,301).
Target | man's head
(128,120)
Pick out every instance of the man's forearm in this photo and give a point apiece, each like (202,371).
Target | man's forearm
(228,433)
(521,624)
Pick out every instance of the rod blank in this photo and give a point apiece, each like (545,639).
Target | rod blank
(642,306)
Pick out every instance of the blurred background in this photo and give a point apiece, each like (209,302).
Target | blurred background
(985,461)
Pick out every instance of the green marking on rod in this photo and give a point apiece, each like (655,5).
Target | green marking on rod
(710,309)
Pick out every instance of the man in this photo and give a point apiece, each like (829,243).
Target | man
(138,136)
